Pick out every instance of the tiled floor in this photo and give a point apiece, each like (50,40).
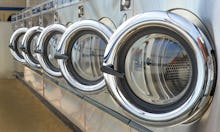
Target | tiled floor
(20,111)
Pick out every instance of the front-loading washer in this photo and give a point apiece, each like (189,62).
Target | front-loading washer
(81,51)
(56,90)
(18,26)
(32,70)
(54,21)
(48,39)
(29,43)
(46,48)
(129,8)
(160,66)
(30,38)
(15,43)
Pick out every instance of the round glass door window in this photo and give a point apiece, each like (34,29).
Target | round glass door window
(15,44)
(86,51)
(47,48)
(51,50)
(156,68)
(82,46)
(29,45)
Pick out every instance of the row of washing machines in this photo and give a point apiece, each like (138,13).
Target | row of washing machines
(157,61)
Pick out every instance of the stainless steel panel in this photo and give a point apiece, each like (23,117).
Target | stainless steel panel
(34,80)
(19,67)
(52,92)
(97,120)
(73,108)
(107,100)
(96,9)
(68,14)
(205,10)
(67,103)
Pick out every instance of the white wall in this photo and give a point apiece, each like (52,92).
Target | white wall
(13,3)
(10,3)
(6,60)
(31,3)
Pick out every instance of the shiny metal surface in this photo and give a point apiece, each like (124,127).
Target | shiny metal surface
(70,105)
(14,43)
(67,12)
(97,120)
(30,39)
(85,25)
(45,39)
(193,35)
(94,9)
(207,11)
(34,80)
(74,108)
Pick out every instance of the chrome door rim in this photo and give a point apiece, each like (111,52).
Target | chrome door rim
(12,42)
(40,46)
(28,34)
(189,31)
(69,33)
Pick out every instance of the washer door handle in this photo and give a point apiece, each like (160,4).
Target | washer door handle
(11,47)
(60,56)
(110,70)
(38,51)
(24,49)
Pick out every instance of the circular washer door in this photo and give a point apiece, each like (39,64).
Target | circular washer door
(160,68)
(15,43)
(47,46)
(81,52)
(29,44)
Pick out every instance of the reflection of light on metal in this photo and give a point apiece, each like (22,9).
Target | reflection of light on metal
(15,43)
(82,40)
(203,48)
(47,43)
(108,22)
(182,50)
(34,80)
(29,43)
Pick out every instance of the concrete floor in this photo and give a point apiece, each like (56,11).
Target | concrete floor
(20,111)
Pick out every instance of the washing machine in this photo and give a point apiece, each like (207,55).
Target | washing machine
(80,55)
(160,65)
(48,39)
(29,41)
(32,68)
(55,22)
(15,42)
(56,90)
(46,49)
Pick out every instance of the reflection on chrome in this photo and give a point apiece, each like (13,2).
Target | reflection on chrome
(51,49)
(15,44)
(33,45)
(19,43)
(157,63)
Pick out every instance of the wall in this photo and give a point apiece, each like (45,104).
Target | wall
(6,60)
(9,4)
(13,3)
(31,3)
